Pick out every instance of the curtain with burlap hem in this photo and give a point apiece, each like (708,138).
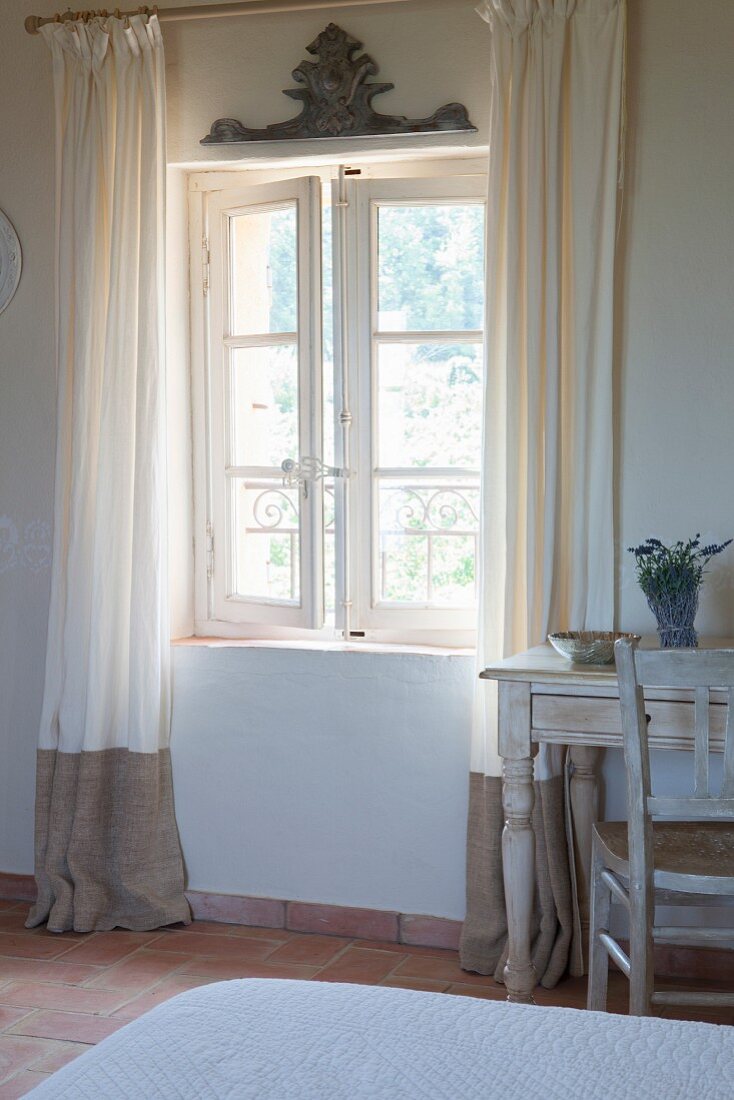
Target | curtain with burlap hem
(546,559)
(107,846)
(555,940)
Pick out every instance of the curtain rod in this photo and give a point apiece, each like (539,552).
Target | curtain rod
(206,11)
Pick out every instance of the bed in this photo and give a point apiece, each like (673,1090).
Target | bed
(292,1040)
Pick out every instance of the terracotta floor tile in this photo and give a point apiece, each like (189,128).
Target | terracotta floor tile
(158,995)
(223,928)
(416,983)
(14,921)
(366,924)
(250,932)
(358,965)
(137,972)
(20,946)
(21,1084)
(10,1014)
(68,980)
(212,926)
(220,947)
(58,1054)
(406,949)
(221,970)
(446,969)
(107,948)
(65,998)
(569,993)
(308,950)
(76,1027)
(17,1052)
(33,970)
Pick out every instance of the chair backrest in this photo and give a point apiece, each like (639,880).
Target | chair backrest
(700,671)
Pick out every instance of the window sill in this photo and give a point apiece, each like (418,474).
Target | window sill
(324,646)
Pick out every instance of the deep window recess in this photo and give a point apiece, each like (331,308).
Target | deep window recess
(337,339)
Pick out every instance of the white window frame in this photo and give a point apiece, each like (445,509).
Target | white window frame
(212,195)
(364,199)
(223,604)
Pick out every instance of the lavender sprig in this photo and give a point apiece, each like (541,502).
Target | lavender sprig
(676,570)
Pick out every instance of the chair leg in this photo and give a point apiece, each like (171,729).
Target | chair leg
(642,965)
(601,901)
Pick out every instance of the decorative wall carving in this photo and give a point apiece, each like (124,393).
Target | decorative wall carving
(337,101)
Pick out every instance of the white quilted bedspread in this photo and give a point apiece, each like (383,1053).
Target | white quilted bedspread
(290,1040)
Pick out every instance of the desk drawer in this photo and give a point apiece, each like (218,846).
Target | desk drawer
(671,724)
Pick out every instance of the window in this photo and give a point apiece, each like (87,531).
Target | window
(337,337)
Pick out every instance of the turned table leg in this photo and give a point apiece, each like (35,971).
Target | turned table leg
(518,838)
(584,794)
(518,862)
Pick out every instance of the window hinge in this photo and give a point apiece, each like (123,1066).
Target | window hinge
(209,551)
(205,265)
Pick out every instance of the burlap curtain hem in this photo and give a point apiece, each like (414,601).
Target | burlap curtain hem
(483,946)
(107,847)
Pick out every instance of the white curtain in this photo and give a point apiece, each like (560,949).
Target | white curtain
(107,850)
(547,536)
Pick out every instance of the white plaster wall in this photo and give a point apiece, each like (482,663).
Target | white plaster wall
(26,418)
(675,318)
(675,346)
(340,777)
(324,776)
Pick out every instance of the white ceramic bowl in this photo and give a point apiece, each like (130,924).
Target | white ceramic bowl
(587,647)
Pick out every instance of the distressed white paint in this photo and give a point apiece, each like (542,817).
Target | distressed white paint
(675,390)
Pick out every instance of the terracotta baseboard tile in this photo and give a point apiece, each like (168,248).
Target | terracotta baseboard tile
(17,887)
(430,931)
(295,916)
(261,914)
(340,920)
(233,909)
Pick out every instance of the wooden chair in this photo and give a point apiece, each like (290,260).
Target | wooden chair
(686,855)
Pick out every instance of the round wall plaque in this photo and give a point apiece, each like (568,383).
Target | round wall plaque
(9,261)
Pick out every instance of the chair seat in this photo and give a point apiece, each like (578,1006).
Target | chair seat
(681,849)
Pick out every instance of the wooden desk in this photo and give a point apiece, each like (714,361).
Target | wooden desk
(545,698)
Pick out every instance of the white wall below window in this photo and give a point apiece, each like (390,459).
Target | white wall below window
(326,776)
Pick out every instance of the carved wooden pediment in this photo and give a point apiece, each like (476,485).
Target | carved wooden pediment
(337,101)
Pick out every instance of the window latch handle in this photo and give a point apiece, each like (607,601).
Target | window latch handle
(308,469)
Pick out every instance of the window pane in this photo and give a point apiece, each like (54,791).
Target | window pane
(263,251)
(264,405)
(430,267)
(428,543)
(266,538)
(430,405)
